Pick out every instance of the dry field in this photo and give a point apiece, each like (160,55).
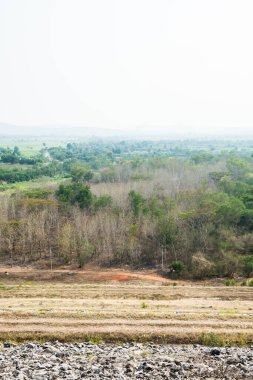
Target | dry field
(81,305)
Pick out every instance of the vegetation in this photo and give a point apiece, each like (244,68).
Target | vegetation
(183,207)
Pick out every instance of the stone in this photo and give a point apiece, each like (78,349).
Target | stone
(31,346)
(55,360)
(215,351)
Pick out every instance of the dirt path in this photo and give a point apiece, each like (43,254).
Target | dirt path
(31,323)
(77,276)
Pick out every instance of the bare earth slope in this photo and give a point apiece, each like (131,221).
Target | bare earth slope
(78,276)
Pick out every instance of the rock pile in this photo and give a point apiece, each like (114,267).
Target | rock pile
(54,360)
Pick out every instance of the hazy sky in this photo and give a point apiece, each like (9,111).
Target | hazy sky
(185,64)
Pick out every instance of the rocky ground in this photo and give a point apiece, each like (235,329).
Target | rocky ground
(55,360)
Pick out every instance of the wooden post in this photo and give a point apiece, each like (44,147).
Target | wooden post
(51,260)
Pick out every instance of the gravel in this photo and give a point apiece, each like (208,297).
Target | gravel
(54,360)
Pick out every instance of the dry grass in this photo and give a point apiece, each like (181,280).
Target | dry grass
(184,313)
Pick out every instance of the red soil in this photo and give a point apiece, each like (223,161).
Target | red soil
(78,276)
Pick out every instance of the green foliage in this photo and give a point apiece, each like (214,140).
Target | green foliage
(94,339)
(202,157)
(137,202)
(36,203)
(134,230)
(76,193)
(86,251)
(217,177)
(3,286)
(108,175)
(178,267)
(159,208)
(37,193)
(230,282)
(81,174)
(13,175)
(212,340)
(194,208)
(234,188)
(248,266)
(140,177)
(167,231)
(248,198)
(9,156)
(81,195)
(230,265)
(136,162)
(229,209)
(238,167)
(246,220)
(104,201)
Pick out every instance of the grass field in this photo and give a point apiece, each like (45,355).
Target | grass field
(121,306)
(45,183)
(29,146)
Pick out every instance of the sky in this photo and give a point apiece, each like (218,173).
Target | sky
(158,65)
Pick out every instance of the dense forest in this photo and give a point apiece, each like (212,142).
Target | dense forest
(182,207)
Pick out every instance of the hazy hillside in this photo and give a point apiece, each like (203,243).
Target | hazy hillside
(19,130)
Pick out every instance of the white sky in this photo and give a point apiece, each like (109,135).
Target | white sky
(129,64)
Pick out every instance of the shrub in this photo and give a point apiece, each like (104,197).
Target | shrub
(201,266)
(230,265)
(37,193)
(166,232)
(212,340)
(248,266)
(85,253)
(177,267)
(137,202)
(104,201)
(81,174)
(230,282)
(76,193)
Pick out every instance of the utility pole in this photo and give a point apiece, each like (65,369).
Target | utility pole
(51,260)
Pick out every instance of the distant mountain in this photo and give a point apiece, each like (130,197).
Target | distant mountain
(10,130)
(140,132)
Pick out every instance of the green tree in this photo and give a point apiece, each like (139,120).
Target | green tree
(238,167)
(167,232)
(76,193)
(104,201)
(81,174)
(202,157)
(230,211)
(177,267)
(137,202)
